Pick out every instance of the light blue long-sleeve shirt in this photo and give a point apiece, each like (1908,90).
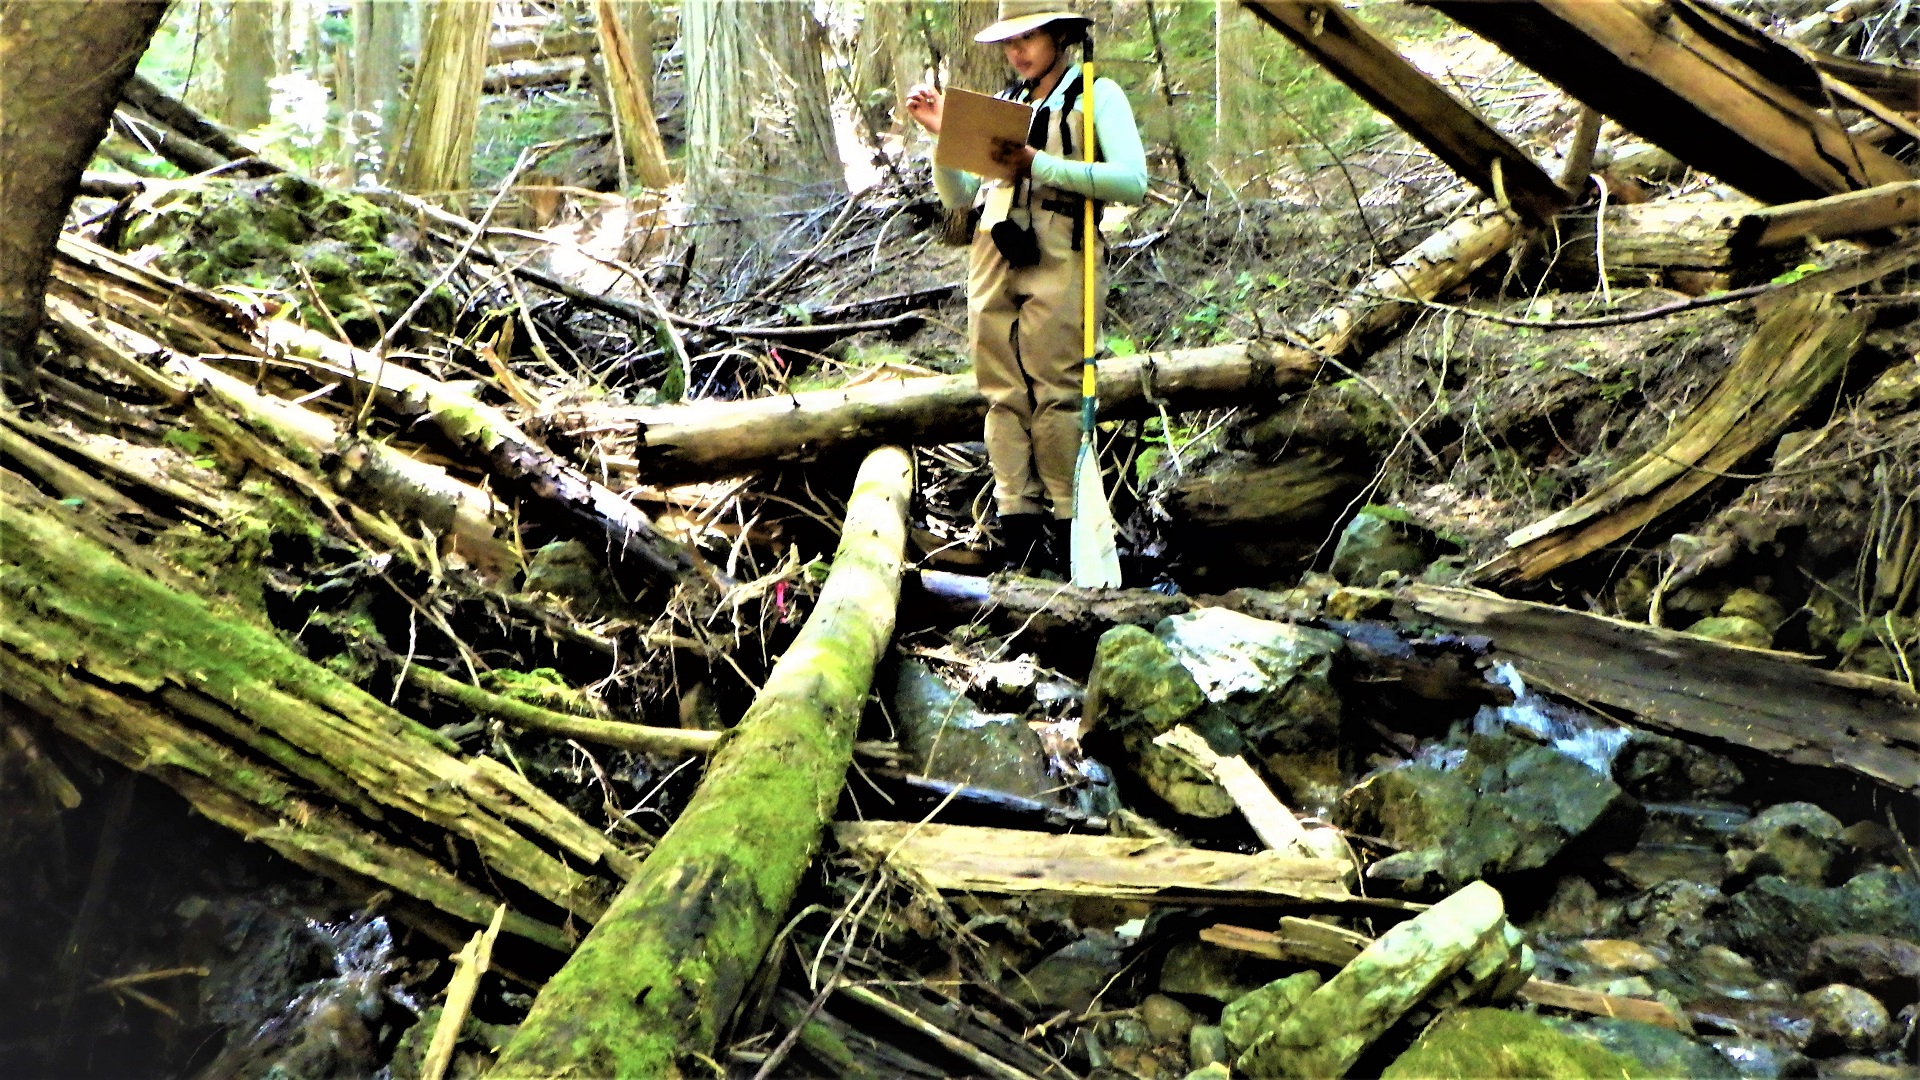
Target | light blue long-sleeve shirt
(1121,178)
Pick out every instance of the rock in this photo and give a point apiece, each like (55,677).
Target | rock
(569,570)
(1070,977)
(1776,920)
(1379,540)
(1576,910)
(1472,1044)
(1888,967)
(1677,913)
(950,739)
(1785,1024)
(1757,606)
(1195,967)
(1207,1045)
(1247,1018)
(1658,768)
(1863,1068)
(1724,971)
(1757,1060)
(1216,1071)
(1327,1032)
(1661,1051)
(1409,806)
(1734,629)
(1532,805)
(1849,1016)
(1895,390)
(1167,1020)
(1137,683)
(1797,841)
(1272,682)
(1650,864)
(1412,873)
(1617,955)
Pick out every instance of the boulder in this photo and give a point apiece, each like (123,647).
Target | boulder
(1888,967)
(1478,1044)
(1167,1020)
(1072,976)
(1247,1018)
(1410,806)
(1661,768)
(950,739)
(1379,540)
(1272,683)
(1327,1032)
(1195,967)
(1686,914)
(1207,1045)
(1138,690)
(1848,1016)
(1735,629)
(1776,920)
(1797,841)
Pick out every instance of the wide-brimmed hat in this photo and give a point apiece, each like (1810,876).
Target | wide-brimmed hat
(1025,16)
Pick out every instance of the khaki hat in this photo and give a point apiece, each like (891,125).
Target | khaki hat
(1025,16)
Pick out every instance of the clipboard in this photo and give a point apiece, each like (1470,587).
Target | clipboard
(970,124)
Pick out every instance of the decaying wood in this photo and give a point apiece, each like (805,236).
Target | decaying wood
(468,965)
(1795,353)
(967,859)
(1748,698)
(1857,213)
(987,1064)
(1684,243)
(1555,995)
(636,737)
(662,971)
(1376,71)
(1437,264)
(1677,75)
(1272,822)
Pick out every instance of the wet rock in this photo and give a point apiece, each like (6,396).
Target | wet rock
(1650,864)
(1684,914)
(1725,972)
(1207,1045)
(1070,977)
(1327,1032)
(1532,805)
(1195,967)
(1378,540)
(1849,1016)
(1757,606)
(1798,841)
(1489,1043)
(1661,1051)
(1617,955)
(1660,768)
(1888,967)
(1247,1018)
(1409,806)
(1758,1060)
(1167,1020)
(1138,690)
(950,739)
(1216,1071)
(1785,1024)
(1734,629)
(1576,910)
(1777,920)
(1863,1068)
(1272,682)
(1412,873)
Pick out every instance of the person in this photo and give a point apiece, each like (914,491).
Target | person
(1024,312)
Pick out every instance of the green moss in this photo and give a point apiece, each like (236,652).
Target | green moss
(544,687)
(1493,1044)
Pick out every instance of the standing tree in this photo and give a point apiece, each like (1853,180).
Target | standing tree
(250,63)
(435,148)
(971,65)
(627,85)
(62,67)
(757,107)
(379,29)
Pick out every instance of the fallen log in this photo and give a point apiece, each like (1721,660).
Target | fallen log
(636,737)
(1686,244)
(1377,72)
(1857,213)
(520,74)
(661,972)
(142,94)
(1694,686)
(510,47)
(1678,76)
(1801,347)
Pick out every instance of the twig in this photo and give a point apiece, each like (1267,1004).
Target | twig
(470,964)
(966,1051)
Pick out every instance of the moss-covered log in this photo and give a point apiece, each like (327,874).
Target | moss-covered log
(662,970)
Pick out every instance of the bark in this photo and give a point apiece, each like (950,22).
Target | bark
(710,440)
(627,84)
(379,32)
(1771,703)
(250,63)
(662,971)
(62,67)
(435,148)
(971,65)
(1794,355)
(1682,244)
(1857,213)
(1377,72)
(757,119)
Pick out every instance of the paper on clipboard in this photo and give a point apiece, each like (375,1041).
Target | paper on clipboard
(970,125)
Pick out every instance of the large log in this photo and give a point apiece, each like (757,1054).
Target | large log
(1456,134)
(1678,75)
(656,980)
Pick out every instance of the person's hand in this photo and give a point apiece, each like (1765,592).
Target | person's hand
(924,104)
(1015,155)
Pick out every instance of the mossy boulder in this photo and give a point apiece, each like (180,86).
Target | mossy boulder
(1661,1051)
(1380,540)
(1776,920)
(1797,841)
(1138,690)
(1734,629)
(366,264)
(1248,1017)
(1410,806)
(951,739)
(1482,1044)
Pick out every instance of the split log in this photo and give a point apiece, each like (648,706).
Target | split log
(1272,822)
(1801,348)
(1377,72)
(1678,75)
(1748,698)
(662,971)
(1013,862)
(1687,244)
(708,440)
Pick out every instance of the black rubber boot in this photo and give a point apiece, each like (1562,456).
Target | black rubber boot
(1025,540)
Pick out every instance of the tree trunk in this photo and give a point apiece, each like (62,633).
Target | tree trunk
(62,67)
(971,65)
(665,966)
(250,63)
(757,116)
(379,32)
(435,150)
(627,82)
